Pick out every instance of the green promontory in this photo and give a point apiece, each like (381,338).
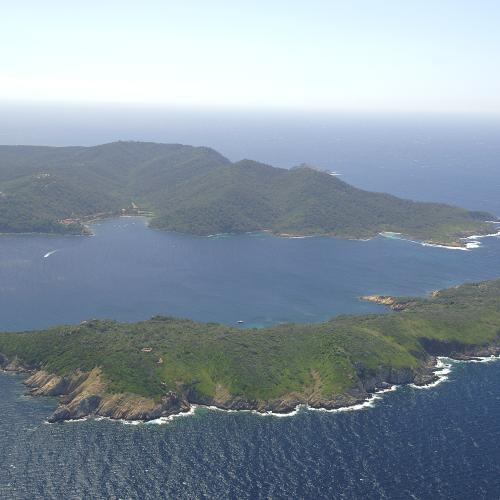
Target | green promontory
(196,190)
(163,366)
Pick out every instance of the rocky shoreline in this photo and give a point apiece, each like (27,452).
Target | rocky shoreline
(83,394)
(86,393)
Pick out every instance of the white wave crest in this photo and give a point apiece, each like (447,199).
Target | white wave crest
(443,368)
(470,242)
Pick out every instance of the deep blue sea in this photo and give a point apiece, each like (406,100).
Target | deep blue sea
(442,442)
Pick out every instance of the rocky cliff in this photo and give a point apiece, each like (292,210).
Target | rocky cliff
(84,394)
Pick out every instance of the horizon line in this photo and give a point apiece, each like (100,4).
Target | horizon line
(165,106)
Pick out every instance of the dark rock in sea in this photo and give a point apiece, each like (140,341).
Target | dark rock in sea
(85,407)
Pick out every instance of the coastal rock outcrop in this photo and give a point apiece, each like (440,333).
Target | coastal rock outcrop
(369,381)
(395,303)
(84,394)
(131,407)
(458,350)
(384,376)
(14,365)
(42,383)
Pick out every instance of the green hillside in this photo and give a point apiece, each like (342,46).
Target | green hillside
(196,190)
(265,368)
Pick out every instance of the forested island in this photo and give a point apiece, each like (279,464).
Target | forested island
(198,191)
(163,366)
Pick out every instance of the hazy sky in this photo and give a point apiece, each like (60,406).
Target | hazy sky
(378,55)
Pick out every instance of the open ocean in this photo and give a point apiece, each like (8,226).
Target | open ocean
(441,442)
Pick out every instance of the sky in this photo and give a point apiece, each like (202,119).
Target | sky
(350,55)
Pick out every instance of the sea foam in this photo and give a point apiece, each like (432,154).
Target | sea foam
(470,242)
(443,368)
